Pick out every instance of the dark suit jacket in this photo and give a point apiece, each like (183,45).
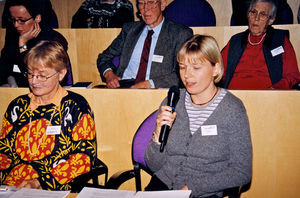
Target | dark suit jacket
(171,37)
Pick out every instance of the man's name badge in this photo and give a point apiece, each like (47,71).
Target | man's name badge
(277,51)
(16,69)
(157,58)
(208,130)
(53,130)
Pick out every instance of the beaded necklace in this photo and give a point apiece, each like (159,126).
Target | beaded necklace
(262,38)
(42,135)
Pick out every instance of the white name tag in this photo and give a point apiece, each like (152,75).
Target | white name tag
(16,69)
(208,130)
(53,130)
(157,58)
(277,51)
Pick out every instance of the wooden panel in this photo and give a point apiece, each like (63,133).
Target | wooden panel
(274,123)
(86,44)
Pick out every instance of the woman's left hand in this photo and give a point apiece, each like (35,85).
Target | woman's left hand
(33,183)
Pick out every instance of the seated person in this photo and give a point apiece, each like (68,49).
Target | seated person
(49,16)
(209,146)
(136,45)
(48,136)
(240,9)
(260,57)
(103,14)
(25,30)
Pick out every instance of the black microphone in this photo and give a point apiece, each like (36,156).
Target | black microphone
(173,97)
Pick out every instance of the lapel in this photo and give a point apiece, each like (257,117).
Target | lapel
(132,39)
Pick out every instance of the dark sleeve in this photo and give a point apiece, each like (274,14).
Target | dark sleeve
(79,20)
(124,15)
(10,54)
(105,58)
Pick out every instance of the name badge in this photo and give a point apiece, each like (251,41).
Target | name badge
(277,51)
(157,58)
(208,130)
(53,130)
(16,69)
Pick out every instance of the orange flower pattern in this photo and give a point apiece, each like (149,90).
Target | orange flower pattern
(5,162)
(59,158)
(37,129)
(83,129)
(77,164)
(6,127)
(20,173)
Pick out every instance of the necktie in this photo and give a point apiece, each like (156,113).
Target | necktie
(144,58)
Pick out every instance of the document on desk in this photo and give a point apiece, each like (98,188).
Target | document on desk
(104,193)
(35,193)
(164,194)
(87,192)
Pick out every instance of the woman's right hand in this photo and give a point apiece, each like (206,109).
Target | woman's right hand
(165,117)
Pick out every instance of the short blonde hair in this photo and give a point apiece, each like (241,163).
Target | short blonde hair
(50,53)
(201,47)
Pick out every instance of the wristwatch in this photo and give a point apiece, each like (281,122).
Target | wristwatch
(24,47)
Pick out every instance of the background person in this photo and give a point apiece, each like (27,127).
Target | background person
(260,57)
(209,145)
(48,136)
(25,30)
(103,14)
(158,62)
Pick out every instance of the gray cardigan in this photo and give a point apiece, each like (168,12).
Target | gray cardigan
(206,164)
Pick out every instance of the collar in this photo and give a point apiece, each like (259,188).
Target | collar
(157,28)
(61,92)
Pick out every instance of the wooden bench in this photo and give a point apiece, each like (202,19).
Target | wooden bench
(274,123)
(86,44)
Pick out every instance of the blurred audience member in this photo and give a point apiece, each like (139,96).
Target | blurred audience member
(103,14)
(147,50)
(240,9)
(49,16)
(25,30)
(261,57)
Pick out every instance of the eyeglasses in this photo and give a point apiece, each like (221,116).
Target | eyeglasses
(150,4)
(42,78)
(19,21)
(262,16)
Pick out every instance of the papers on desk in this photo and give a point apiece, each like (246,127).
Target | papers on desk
(35,193)
(104,193)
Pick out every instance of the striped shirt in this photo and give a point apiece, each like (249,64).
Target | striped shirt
(198,115)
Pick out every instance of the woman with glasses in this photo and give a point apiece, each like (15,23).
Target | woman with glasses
(48,136)
(25,29)
(260,57)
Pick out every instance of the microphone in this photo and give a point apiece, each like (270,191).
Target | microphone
(173,97)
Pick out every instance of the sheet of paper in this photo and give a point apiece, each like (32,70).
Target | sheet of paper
(35,193)
(87,192)
(164,194)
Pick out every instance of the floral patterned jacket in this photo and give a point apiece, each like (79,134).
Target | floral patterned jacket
(29,151)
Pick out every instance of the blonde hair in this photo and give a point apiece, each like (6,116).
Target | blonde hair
(50,53)
(201,47)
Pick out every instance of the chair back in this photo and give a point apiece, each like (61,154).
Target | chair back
(191,13)
(142,138)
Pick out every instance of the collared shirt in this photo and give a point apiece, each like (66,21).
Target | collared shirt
(134,63)
(61,92)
